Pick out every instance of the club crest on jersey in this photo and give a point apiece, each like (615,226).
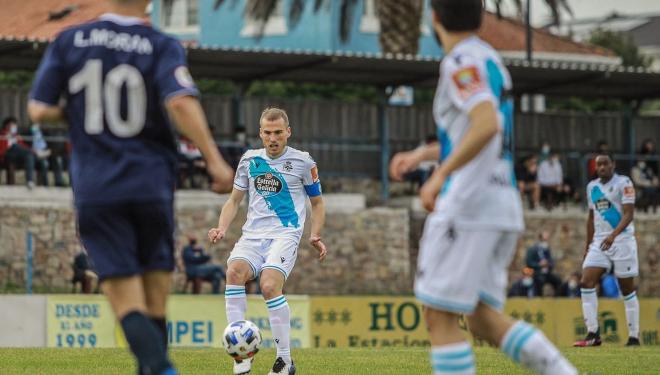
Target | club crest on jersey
(268,184)
(468,81)
(603,204)
(288,166)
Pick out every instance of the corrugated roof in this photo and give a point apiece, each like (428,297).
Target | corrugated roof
(243,65)
(30,19)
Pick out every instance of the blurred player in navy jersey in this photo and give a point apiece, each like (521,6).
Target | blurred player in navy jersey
(470,236)
(117,82)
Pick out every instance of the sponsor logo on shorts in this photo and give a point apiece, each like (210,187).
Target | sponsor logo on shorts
(268,184)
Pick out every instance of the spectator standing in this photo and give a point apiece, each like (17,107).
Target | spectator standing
(539,259)
(545,152)
(527,182)
(551,180)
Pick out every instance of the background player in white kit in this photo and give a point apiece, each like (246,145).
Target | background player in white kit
(470,237)
(279,179)
(610,242)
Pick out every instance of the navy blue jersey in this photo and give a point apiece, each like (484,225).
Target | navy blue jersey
(115,75)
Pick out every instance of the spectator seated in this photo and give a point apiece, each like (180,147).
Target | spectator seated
(198,268)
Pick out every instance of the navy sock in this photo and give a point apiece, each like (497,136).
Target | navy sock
(161,323)
(146,343)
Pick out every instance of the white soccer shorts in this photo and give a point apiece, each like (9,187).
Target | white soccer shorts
(458,267)
(622,255)
(278,254)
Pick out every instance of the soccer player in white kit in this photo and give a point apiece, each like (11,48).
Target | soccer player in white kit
(470,236)
(610,243)
(278,179)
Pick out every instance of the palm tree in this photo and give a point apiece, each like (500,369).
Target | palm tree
(556,7)
(399,19)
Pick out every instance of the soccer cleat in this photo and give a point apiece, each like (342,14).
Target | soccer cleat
(633,341)
(592,339)
(243,367)
(281,367)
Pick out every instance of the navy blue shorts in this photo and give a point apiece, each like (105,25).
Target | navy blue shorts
(128,238)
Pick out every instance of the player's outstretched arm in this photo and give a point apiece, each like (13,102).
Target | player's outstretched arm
(44,113)
(318,220)
(227,215)
(483,127)
(404,162)
(189,118)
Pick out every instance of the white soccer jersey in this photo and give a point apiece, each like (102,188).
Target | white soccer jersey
(606,201)
(482,193)
(278,189)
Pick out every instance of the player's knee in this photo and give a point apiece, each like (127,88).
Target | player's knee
(270,288)
(439,318)
(237,276)
(587,283)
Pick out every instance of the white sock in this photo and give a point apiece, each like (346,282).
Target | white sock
(455,359)
(529,346)
(280,326)
(632,314)
(235,302)
(590,308)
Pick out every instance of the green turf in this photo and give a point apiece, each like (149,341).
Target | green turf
(603,360)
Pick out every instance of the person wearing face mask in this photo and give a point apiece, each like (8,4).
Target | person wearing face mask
(646,182)
(551,179)
(571,288)
(540,260)
(545,152)
(524,286)
(14,150)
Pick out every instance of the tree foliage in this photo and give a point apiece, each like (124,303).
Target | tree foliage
(623,45)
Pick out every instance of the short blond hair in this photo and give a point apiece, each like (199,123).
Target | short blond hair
(274,113)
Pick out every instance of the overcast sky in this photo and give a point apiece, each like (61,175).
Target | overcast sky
(590,8)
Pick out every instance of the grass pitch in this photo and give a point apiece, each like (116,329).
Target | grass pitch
(603,360)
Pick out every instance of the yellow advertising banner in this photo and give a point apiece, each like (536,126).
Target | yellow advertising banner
(567,324)
(367,321)
(199,321)
(377,321)
(79,321)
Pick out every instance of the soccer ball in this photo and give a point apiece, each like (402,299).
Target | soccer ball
(241,339)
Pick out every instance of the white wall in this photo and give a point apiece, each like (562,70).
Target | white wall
(22,321)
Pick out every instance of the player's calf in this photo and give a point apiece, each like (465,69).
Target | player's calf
(528,346)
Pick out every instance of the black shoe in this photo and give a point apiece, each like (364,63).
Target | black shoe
(281,367)
(633,341)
